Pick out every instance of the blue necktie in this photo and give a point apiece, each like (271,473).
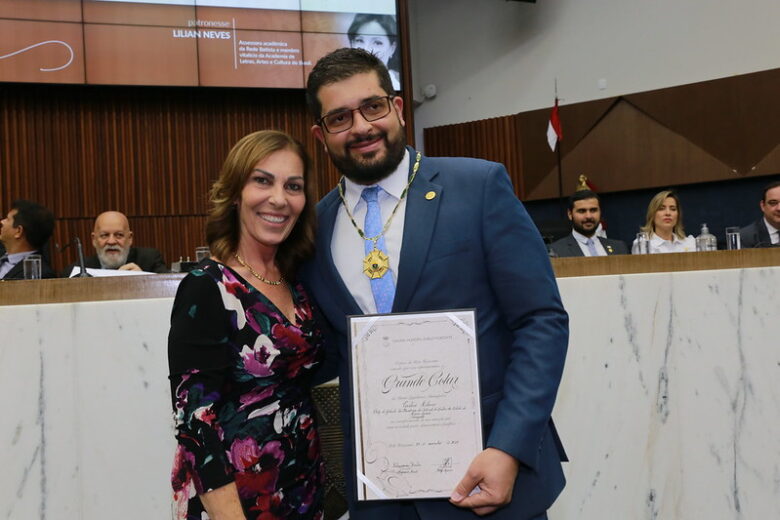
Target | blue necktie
(384,287)
(591,247)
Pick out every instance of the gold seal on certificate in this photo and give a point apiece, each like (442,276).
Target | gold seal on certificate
(415,393)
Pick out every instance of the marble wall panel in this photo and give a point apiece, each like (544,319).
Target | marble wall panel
(670,402)
(125,412)
(38,399)
(87,431)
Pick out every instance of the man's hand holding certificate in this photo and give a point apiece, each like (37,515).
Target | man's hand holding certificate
(416,401)
(488,483)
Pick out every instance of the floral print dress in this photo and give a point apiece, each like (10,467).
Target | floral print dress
(240,382)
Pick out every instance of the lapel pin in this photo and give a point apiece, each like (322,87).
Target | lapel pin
(430,195)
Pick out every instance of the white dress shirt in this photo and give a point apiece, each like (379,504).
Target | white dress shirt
(774,233)
(582,240)
(675,245)
(348,248)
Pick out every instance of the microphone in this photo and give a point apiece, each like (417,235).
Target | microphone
(83,270)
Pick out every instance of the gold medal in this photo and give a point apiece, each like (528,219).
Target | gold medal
(375,264)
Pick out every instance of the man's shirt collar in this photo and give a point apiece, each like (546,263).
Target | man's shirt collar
(770,227)
(393,184)
(582,239)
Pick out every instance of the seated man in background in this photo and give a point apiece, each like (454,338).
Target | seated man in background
(113,242)
(24,232)
(764,231)
(585,216)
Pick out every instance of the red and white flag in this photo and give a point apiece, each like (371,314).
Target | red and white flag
(554,131)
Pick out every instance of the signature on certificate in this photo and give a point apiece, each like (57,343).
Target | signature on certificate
(445,466)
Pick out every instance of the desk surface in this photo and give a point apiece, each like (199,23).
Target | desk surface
(63,290)
(669,262)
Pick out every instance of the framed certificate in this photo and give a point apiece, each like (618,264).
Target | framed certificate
(415,398)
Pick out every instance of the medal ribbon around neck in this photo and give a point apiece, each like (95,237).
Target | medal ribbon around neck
(376,263)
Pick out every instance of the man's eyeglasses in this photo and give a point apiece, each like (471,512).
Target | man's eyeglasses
(341,120)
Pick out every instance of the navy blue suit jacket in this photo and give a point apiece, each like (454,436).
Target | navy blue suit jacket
(472,245)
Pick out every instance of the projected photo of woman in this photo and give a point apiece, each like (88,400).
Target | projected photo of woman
(377,34)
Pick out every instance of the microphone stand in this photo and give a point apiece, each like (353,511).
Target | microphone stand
(83,270)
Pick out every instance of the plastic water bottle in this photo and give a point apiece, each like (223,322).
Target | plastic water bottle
(706,241)
(642,243)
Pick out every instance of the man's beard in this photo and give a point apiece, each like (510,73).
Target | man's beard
(367,171)
(586,232)
(113,261)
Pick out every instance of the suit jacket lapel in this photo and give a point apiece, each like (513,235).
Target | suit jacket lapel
(607,246)
(763,234)
(574,246)
(328,211)
(15,272)
(571,246)
(419,223)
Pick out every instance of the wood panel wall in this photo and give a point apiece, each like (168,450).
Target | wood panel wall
(494,139)
(709,131)
(149,152)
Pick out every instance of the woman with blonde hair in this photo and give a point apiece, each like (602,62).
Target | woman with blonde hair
(664,227)
(243,345)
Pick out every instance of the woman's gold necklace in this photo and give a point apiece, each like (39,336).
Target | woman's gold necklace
(376,263)
(257,275)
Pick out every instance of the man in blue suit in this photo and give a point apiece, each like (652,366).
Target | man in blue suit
(407,233)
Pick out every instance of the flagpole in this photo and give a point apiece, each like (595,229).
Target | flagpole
(560,180)
(560,168)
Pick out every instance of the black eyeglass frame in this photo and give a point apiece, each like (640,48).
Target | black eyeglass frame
(321,120)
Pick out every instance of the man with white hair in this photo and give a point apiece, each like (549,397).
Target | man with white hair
(113,242)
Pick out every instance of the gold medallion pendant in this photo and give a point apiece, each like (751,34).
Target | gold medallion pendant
(375,264)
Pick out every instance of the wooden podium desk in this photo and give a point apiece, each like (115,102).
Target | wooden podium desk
(62,290)
(69,290)
(669,262)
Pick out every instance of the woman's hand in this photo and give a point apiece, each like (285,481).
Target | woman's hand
(223,503)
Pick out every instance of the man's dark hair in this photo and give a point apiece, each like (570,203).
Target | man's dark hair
(342,64)
(37,222)
(772,185)
(583,195)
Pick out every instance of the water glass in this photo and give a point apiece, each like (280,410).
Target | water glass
(32,267)
(733,240)
(201,252)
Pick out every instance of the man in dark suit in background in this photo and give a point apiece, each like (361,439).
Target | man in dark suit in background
(24,232)
(457,238)
(585,215)
(113,242)
(764,231)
